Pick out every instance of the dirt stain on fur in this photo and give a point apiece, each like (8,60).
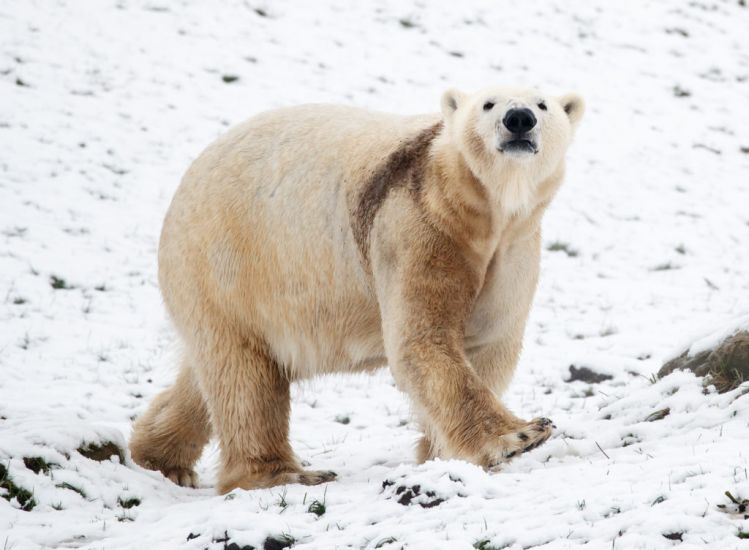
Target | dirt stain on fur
(404,167)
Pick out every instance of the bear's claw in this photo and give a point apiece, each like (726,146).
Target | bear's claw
(315,477)
(184,477)
(528,437)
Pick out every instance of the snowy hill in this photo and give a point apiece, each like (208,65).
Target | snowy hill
(104,103)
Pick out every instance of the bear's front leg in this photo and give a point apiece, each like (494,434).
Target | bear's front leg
(426,291)
(462,418)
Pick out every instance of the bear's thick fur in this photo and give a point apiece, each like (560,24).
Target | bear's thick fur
(319,238)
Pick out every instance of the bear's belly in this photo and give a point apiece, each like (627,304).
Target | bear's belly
(311,355)
(324,338)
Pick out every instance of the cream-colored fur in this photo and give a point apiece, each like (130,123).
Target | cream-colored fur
(321,239)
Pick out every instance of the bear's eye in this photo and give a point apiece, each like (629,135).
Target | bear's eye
(542,106)
(488,106)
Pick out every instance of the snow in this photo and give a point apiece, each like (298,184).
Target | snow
(716,336)
(104,104)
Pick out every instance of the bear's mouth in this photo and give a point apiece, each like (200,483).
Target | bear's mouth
(518,145)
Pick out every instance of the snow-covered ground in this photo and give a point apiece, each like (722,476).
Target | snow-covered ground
(103,103)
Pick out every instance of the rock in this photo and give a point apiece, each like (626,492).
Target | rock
(726,366)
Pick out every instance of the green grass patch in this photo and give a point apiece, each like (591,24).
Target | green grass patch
(58,283)
(279,542)
(69,487)
(11,491)
(128,502)
(317,508)
(559,246)
(101,451)
(36,464)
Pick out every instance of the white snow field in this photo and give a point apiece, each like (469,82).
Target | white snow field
(103,104)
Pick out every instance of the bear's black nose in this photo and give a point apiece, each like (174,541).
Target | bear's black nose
(519,121)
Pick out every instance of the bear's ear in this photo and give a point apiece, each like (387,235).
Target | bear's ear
(451,100)
(574,106)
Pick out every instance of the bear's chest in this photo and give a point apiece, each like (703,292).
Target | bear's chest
(503,302)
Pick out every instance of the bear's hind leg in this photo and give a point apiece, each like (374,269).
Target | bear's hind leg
(170,436)
(249,401)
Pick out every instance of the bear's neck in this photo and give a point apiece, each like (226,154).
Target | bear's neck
(456,200)
(477,209)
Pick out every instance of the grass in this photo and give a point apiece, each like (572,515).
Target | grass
(278,543)
(69,487)
(128,502)
(316,507)
(12,491)
(282,500)
(559,246)
(681,92)
(742,505)
(101,451)
(37,464)
(58,283)
(725,378)
(485,544)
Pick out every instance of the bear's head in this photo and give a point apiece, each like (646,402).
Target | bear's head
(512,139)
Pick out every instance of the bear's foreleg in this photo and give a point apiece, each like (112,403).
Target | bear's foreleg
(426,291)
(495,364)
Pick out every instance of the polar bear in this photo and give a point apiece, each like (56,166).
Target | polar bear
(319,238)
